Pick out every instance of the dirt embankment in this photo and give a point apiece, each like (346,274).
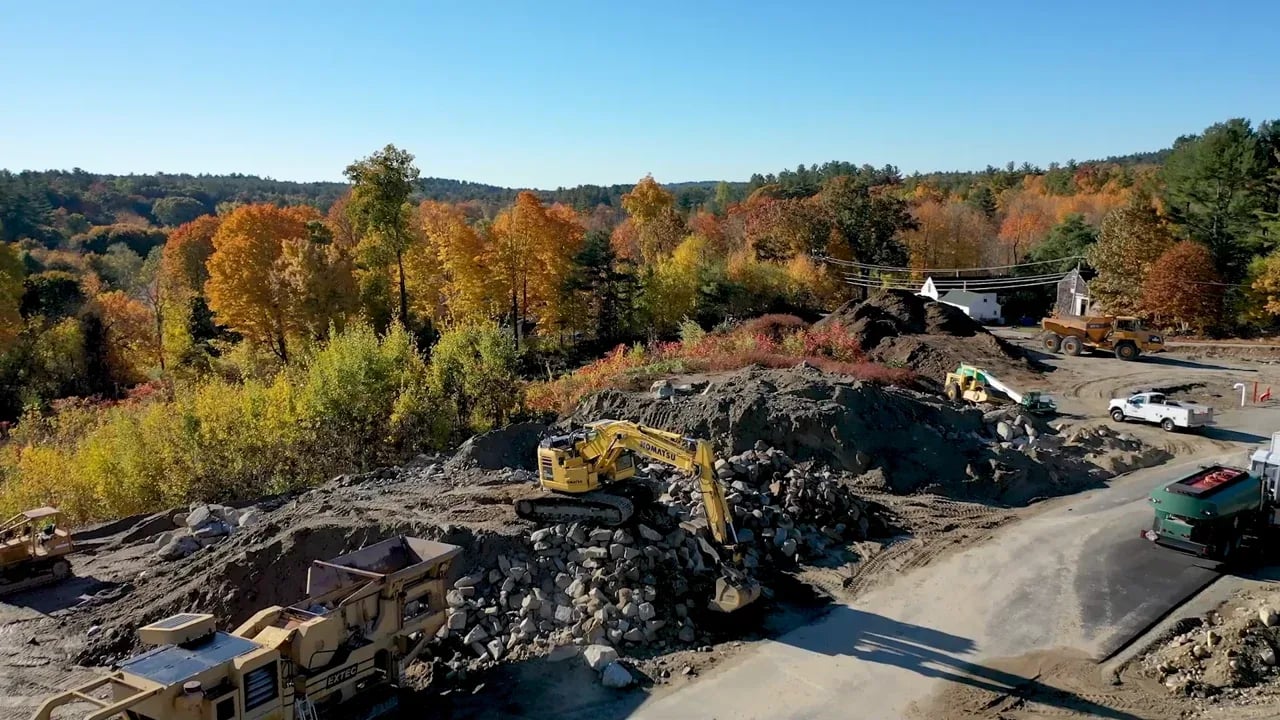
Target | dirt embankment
(897,327)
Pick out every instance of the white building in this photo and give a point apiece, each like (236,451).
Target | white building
(983,307)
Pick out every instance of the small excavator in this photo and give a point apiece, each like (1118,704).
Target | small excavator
(975,385)
(33,551)
(587,468)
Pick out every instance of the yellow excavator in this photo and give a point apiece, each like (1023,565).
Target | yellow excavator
(586,469)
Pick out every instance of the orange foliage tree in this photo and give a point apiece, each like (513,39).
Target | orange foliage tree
(186,254)
(1027,221)
(247,288)
(530,254)
(950,234)
(1182,287)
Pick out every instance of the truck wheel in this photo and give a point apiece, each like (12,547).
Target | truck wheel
(1168,425)
(1127,351)
(953,392)
(1117,414)
(1071,345)
(61,569)
(1051,342)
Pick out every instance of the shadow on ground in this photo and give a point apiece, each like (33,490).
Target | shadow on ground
(1192,364)
(569,690)
(874,638)
(1218,433)
(75,591)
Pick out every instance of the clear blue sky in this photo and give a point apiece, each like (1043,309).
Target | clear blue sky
(562,93)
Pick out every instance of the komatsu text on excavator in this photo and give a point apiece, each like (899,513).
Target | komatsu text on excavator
(583,466)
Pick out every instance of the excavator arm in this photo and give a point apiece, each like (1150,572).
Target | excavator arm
(613,438)
(576,466)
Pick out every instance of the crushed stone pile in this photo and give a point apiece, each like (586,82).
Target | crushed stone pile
(643,586)
(1229,654)
(897,327)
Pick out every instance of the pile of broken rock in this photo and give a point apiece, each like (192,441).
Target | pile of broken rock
(573,586)
(202,526)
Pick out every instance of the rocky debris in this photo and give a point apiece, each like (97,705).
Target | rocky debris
(202,526)
(783,512)
(598,656)
(1225,654)
(894,440)
(1032,457)
(643,585)
(932,338)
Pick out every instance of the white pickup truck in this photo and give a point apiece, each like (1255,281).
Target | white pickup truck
(1154,407)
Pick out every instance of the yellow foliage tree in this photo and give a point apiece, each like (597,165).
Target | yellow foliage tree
(530,254)
(458,254)
(319,277)
(949,234)
(1263,290)
(653,211)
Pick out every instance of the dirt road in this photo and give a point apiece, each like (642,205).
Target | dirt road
(1071,577)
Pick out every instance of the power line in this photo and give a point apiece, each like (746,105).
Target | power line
(926,271)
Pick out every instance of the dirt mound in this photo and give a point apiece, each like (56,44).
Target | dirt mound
(897,440)
(897,327)
(267,564)
(513,446)
(810,415)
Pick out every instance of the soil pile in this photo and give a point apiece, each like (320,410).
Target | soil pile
(894,439)
(897,327)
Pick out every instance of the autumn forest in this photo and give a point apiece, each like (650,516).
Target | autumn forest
(164,337)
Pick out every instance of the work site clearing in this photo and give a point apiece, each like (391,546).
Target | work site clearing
(918,557)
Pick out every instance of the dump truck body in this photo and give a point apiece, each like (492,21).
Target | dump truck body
(1217,509)
(365,616)
(1124,336)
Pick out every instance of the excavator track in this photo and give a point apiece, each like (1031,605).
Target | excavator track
(594,507)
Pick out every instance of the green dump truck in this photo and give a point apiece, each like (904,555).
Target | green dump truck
(1219,510)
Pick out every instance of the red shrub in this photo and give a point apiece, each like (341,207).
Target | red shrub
(775,326)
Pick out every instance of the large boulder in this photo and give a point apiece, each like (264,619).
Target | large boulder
(599,656)
(615,675)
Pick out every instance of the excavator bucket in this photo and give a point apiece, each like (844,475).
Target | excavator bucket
(734,594)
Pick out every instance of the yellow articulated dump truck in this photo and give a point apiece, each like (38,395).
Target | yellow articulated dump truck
(339,651)
(1124,336)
